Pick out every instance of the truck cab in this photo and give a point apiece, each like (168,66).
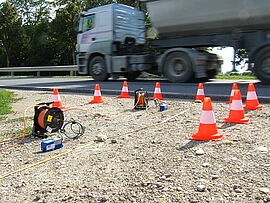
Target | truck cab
(108,37)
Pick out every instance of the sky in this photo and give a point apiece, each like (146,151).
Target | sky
(227,55)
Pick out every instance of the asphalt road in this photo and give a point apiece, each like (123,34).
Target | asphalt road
(218,90)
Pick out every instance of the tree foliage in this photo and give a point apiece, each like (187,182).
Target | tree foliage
(11,35)
(32,12)
(62,33)
(38,32)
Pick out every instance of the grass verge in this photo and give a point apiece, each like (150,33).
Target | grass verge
(21,132)
(233,77)
(6,98)
(21,119)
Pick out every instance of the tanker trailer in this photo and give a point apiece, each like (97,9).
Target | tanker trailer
(241,24)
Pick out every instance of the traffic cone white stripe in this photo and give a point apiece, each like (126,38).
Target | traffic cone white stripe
(232,93)
(237,105)
(157,90)
(200,92)
(97,93)
(125,89)
(207,117)
(251,95)
(56,98)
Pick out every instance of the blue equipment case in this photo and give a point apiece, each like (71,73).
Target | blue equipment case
(163,107)
(51,144)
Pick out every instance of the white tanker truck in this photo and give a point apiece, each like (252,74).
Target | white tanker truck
(111,39)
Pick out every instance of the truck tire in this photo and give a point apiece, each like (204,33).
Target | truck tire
(98,69)
(262,66)
(178,67)
(131,76)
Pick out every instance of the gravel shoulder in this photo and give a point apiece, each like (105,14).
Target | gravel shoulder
(134,163)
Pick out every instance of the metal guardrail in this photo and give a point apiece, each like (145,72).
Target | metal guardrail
(71,68)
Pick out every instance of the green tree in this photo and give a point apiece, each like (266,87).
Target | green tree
(38,32)
(37,49)
(35,18)
(62,33)
(33,12)
(11,36)
(94,3)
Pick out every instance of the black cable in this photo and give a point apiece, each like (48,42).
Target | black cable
(75,129)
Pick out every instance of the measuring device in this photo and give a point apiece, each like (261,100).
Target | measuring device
(141,99)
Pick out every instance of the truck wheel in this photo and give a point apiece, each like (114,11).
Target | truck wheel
(132,75)
(262,66)
(98,69)
(178,67)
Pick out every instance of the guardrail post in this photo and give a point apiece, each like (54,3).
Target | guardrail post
(72,73)
(38,73)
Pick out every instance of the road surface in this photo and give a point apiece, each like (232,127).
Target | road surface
(217,89)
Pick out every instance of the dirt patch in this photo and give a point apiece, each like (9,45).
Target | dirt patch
(142,158)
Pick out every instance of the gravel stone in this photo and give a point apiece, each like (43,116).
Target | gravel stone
(113,141)
(265,190)
(262,149)
(214,177)
(153,159)
(101,138)
(37,198)
(201,188)
(237,190)
(199,152)
(205,164)
(179,189)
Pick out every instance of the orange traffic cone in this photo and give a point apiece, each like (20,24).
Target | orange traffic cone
(252,102)
(157,93)
(234,87)
(56,99)
(208,127)
(236,114)
(97,96)
(124,92)
(200,93)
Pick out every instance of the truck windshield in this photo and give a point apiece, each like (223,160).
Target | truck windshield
(87,23)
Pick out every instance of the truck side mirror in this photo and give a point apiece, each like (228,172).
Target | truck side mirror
(76,28)
(76,23)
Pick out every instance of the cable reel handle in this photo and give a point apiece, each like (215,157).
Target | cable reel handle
(46,103)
